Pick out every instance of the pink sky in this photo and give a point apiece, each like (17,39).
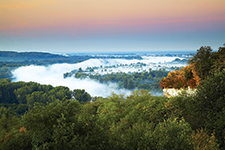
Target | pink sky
(25,22)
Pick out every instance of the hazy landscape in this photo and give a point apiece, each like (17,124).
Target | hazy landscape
(112,75)
(53,74)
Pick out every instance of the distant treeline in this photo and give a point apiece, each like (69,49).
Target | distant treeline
(29,55)
(148,80)
(20,56)
(16,59)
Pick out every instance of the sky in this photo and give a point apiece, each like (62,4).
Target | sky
(111,25)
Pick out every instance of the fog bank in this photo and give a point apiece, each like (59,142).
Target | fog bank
(53,74)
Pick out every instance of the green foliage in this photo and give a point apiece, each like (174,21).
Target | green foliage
(21,94)
(18,140)
(130,85)
(139,121)
(210,104)
(81,95)
(203,61)
(26,94)
(125,82)
(51,125)
(8,122)
(145,80)
(15,109)
(7,91)
(5,73)
(170,134)
(188,74)
(201,140)
(219,63)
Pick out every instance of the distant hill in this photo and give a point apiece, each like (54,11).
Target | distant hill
(12,56)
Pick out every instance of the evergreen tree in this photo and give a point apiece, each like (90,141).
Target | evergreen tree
(130,84)
(125,82)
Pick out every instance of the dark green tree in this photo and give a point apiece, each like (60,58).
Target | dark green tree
(125,82)
(130,84)
(80,70)
(5,73)
(203,61)
(21,94)
(219,64)
(81,95)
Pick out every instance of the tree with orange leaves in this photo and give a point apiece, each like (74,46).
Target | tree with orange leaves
(180,79)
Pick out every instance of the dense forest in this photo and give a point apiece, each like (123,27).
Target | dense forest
(35,116)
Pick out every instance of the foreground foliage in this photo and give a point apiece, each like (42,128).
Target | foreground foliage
(139,121)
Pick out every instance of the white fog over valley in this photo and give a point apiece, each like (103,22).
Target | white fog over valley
(53,74)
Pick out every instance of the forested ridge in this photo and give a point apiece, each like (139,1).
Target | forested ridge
(35,116)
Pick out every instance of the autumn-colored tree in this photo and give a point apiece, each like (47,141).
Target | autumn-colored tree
(195,76)
(180,79)
(173,80)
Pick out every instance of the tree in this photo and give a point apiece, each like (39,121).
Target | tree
(203,61)
(81,95)
(219,64)
(21,94)
(130,84)
(80,70)
(125,82)
(5,73)
(149,77)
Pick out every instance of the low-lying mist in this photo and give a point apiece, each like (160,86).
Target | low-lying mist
(53,75)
